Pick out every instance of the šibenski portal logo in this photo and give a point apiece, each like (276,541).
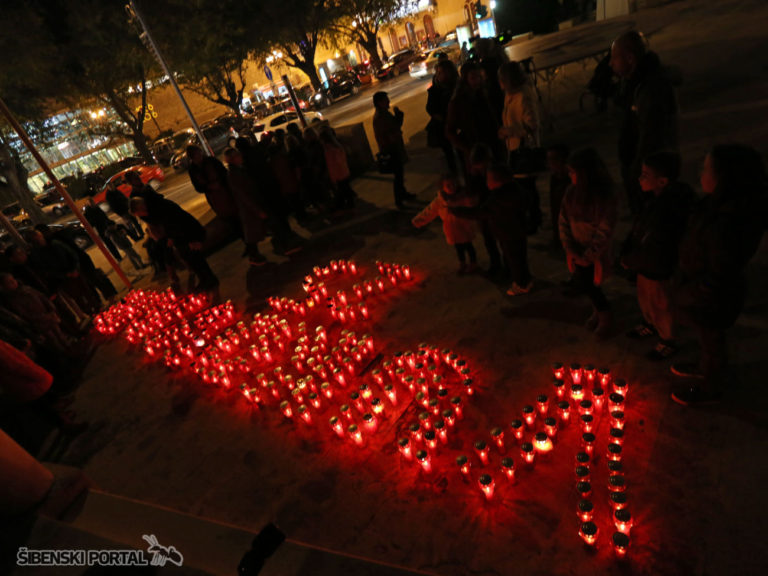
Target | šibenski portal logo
(155,555)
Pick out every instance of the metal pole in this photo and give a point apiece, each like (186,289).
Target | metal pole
(63,191)
(8,225)
(146,38)
(294,100)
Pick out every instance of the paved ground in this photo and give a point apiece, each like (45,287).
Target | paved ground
(695,476)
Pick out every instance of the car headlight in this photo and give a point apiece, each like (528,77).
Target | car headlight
(318,96)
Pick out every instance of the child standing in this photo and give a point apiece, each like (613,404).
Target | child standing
(459,232)
(651,248)
(587,223)
(119,237)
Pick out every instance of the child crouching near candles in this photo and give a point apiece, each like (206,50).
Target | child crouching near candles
(459,232)
(651,247)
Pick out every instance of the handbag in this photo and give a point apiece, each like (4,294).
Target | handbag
(384,162)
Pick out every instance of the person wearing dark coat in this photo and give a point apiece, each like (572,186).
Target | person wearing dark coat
(118,203)
(388,130)
(169,220)
(650,250)
(650,109)
(723,234)
(439,95)
(101,224)
(209,177)
(249,209)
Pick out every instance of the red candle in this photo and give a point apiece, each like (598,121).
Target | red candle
(365,391)
(337,426)
(377,406)
(529,415)
(588,442)
(417,434)
(370,424)
(497,434)
(457,407)
(542,402)
(346,412)
(326,390)
(614,452)
(598,399)
(617,419)
(527,453)
(586,407)
(604,376)
(623,520)
(582,473)
(305,414)
(617,436)
(589,532)
(585,510)
(357,402)
(542,443)
(464,465)
(355,435)
(441,430)
(575,372)
(517,429)
(434,406)
(584,489)
(487,485)
(508,468)
(564,411)
(314,400)
(620,544)
(577,393)
(450,417)
(405,447)
(620,387)
(425,460)
(430,439)
(617,483)
(559,386)
(481,448)
(550,427)
(285,406)
(615,467)
(618,500)
(558,371)
(587,423)
(425,420)
(589,373)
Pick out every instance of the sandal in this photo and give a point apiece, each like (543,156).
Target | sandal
(663,351)
(641,331)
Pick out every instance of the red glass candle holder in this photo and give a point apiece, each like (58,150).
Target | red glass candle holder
(405,447)
(582,474)
(425,420)
(622,519)
(487,485)
(588,442)
(391,393)
(577,393)
(497,435)
(458,408)
(355,435)
(587,422)
(417,434)
(450,417)
(615,467)
(336,426)
(620,386)
(598,399)
(542,403)
(517,429)
(508,468)
(441,430)
(346,412)
(617,419)
(586,407)
(582,458)
(614,452)
(314,400)
(529,415)
(305,414)
(618,500)
(558,371)
(617,436)
(620,544)
(585,510)
(424,460)
(370,424)
(564,412)
(377,406)
(575,372)
(542,443)
(589,532)
(527,453)
(326,390)
(481,449)
(285,407)
(617,483)
(464,465)
(550,427)
(365,391)
(584,489)
(434,406)
(559,387)
(357,402)
(589,373)
(604,377)
(430,439)
(468,386)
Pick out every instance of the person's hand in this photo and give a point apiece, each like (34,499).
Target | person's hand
(598,277)
(571,260)
(196,246)
(397,111)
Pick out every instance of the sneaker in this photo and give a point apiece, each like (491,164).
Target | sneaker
(642,331)
(516,289)
(694,396)
(662,351)
(686,370)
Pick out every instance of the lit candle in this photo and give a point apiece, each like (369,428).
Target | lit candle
(468,386)
(391,393)
(346,412)
(617,483)
(529,415)
(423,457)
(623,520)
(434,406)
(370,424)
(326,390)
(589,373)
(588,442)
(558,371)
(365,391)
(598,399)
(542,402)
(620,387)
(450,417)
(285,406)
(337,426)
(550,427)
(582,474)
(542,443)
(487,485)
(416,432)
(589,532)
(508,468)
(585,510)
(497,435)
(441,430)
(464,465)
(305,414)
(357,402)
(404,445)
(430,439)
(527,453)
(314,400)
(587,422)
(584,489)
(575,372)
(517,429)
(425,420)
(338,375)
(564,411)
(559,386)
(586,407)
(614,452)
(377,406)
(617,435)
(620,544)
(355,435)
(615,467)
(481,448)
(618,500)
(457,407)
(577,393)
(604,375)
(617,419)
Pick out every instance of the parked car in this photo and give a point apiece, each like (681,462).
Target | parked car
(51,202)
(425,65)
(165,148)
(217,136)
(16,214)
(339,85)
(150,174)
(281,119)
(73,229)
(397,64)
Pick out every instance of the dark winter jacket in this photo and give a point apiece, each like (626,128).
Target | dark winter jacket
(249,208)
(438,99)
(174,222)
(504,211)
(388,130)
(471,120)
(54,262)
(721,237)
(650,114)
(97,219)
(651,247)
(210,178)
(117,201)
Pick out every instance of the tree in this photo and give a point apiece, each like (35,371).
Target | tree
(361,20)
(297,27)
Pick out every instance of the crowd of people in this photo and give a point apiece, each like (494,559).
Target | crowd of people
(686,255)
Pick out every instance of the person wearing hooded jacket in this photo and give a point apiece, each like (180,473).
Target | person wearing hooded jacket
(723,234)
(649,103)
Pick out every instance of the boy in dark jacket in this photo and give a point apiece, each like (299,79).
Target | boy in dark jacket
(651,247)
(504,212)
